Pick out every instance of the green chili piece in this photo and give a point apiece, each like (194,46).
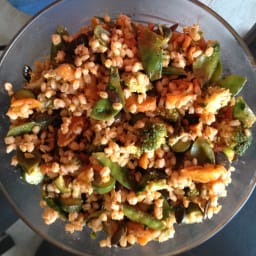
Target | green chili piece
(167,208)
(114,85)
(103,110)
(217,72)
(204,66)
(61,186)
(31,164)
(243,113)
(41,120)
(118,173)
(103,188)
(142,217)
(174,71)
(70,204)
(151,53)
(234,83)
(21,129)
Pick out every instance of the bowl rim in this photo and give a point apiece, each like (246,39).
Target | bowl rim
(218,227)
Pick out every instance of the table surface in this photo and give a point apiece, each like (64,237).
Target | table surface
(236,238)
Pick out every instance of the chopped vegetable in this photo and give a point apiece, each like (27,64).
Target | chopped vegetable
(30,164)
(205,173)
(234,83)
(102,188)
(102,35)
(205,66)
(173,71)
(243,113)
(120,174)
(103,109)
(180,144)
(23,93)
(202,151)
(153,136)
(40,121)
(151,52)
(70,204)
(142,217)
(60,184)
(58,42)
(217,72)
(238,142)
(193,214)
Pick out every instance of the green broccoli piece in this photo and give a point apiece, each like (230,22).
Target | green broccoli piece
(153,136)
(240,141)
(237,142)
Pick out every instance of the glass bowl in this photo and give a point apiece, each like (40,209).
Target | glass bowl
(33,42)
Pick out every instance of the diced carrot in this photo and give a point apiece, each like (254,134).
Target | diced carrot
(203,174)
(178,100)
(31,102)
(66,72)
(144,161)
(148,104)
(143,235)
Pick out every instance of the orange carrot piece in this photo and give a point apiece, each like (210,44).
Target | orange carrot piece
(66,71)
(148,104)
(144,161)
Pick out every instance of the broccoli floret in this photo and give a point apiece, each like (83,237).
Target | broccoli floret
(153,136)
(236,141)
(240,141)
(137,82)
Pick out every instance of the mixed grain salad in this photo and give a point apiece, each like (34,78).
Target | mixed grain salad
(129,129)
